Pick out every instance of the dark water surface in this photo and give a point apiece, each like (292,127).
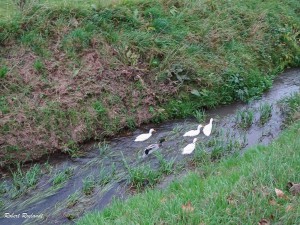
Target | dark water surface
(51,202)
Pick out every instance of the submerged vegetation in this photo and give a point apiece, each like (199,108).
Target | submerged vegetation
(244,118)
(238,189)
(265,113)
(75,187)
(73,73)
(291,108)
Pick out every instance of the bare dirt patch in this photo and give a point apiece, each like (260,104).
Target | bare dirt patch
(62,103)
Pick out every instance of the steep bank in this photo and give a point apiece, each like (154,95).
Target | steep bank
(71,74)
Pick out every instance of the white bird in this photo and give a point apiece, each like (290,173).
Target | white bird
(193,133)
(144,137)
(151,148)
(207,128)
(189,148)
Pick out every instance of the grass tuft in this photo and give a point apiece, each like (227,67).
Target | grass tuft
(88,185)
(221,187)
(265,113)
(244,118)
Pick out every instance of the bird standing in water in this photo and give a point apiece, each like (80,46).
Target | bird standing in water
(189,148)
(193,133)
(207,128)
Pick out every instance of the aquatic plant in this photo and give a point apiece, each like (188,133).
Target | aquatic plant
(22,181)
(105,176)
(165,166)
(88,185)
(185,66)
(244,118)
(103,148)
(73,199)
(265,111)
(290,107)
(200,116)
(142,176)
(62,177)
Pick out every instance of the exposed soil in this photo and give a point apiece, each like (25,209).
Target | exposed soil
(53,203)
(58,106)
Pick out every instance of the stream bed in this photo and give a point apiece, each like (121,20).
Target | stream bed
(69,187)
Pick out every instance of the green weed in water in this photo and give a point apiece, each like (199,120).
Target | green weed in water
(265,113)
(103,148)
(200,156)
(62,177)
(104,176)
(21,181)
(200,115)
(142,176)
(290,107)
(73,199)
(244,118)
(165,166)
(88,185)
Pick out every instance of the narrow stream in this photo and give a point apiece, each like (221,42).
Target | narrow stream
(104,164)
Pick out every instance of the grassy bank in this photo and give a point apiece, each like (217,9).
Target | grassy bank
(238,190)
(72,73)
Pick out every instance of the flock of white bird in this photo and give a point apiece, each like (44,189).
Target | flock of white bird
(187,149)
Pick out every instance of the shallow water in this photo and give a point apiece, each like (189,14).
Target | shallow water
(52,201)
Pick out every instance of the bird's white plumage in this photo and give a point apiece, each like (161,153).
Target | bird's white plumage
(189,148)
(207,128)
(144,137)
(193,133)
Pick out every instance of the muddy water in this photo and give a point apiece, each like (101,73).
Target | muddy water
(105,164)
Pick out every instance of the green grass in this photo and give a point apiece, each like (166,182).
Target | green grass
(165,166)
(88,185)
(200,116)
(290,107)
(62,176)
(142,176)
(8,8)
(103,148)
(237,190)
(23,181)
(88,72)
(73,199)
(244,118)
(104,176)
(265,113)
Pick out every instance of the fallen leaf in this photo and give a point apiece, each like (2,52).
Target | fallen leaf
(273,202)
(279,193)
(188,207)
(230,200)
(294,188)
(264,222)
(289,208)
